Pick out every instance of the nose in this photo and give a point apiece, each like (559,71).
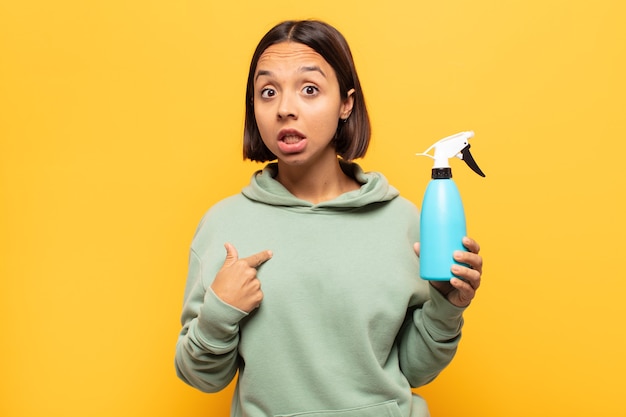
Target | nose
(287,107)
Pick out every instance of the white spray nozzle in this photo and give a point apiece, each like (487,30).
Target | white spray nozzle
(447,148)
(453,146)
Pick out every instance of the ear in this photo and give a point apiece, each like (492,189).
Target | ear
(346,106)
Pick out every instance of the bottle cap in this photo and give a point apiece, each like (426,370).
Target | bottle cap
(441,173)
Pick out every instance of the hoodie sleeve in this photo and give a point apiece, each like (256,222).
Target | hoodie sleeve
(206,351)
(429,338)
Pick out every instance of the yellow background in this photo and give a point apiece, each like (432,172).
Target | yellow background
(120,124)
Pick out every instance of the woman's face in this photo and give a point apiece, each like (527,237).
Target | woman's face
(297,103)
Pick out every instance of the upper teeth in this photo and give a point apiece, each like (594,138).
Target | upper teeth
(291,138)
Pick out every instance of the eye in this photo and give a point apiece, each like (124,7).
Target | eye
(268,93)
(310,90)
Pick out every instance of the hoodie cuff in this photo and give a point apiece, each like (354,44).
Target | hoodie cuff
(443,319)
(218,322)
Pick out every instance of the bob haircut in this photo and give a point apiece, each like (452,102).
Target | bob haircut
(353,135)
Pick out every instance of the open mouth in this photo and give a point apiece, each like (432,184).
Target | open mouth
(291,141)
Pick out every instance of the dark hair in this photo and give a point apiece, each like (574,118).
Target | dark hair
(352,136)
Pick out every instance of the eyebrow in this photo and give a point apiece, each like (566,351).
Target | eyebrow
(312,68)
(307,68)
(262,73)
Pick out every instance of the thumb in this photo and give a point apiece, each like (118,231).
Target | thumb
(231,255)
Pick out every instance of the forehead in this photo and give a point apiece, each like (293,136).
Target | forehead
(290,54)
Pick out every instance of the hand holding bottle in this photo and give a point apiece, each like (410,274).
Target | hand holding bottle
(461,289)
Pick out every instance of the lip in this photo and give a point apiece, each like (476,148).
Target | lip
(291,146)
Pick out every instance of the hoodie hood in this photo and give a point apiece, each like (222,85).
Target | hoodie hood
(375,188)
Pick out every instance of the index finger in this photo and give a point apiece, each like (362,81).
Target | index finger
(471,244)
(258,259)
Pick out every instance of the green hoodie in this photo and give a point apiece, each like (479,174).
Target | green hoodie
(346,326)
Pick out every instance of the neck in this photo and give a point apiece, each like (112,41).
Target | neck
(316,184)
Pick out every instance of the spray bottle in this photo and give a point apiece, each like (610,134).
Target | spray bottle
(442,219)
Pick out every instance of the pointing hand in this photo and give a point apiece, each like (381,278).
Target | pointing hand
(236,282)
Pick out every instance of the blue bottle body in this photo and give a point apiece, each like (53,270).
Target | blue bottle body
(442,228)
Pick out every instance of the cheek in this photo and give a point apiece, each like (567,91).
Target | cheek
(262,120)
(325,123)
(266,126)
(326,130)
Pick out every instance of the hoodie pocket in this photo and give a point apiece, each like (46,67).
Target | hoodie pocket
(386,409)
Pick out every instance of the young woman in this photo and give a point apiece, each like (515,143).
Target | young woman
(317,303)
